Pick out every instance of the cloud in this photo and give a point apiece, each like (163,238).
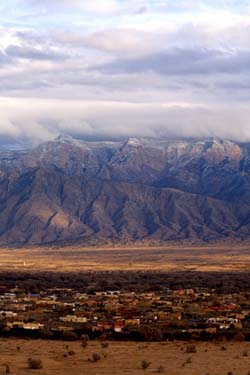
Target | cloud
(116,7)
(96,7)
(120,68)
(40,120)
(4,59)
(180,61)
(119,41)
(34,53)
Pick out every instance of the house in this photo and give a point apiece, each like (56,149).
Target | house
(17,324)
(211,330)
(119,325)
(73,319)
(132,322)
(8,314)
(224,326)
(33,326)
(9,295)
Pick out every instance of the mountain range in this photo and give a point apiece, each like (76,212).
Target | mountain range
(69,191)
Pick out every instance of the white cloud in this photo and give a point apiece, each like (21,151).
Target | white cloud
(96,7)
(39,120)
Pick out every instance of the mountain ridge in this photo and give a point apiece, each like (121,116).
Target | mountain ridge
(137,190)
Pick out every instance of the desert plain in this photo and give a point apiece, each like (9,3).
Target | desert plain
(225,257)
(125,358)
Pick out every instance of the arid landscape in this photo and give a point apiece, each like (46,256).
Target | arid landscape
(169,258)
(52,284)
(61,358)
(124,187)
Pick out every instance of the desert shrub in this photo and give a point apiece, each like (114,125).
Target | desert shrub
(191,349)
(7,368)
(160,369)
(69,336)
(145,364)
(85,339)
(95,357)
(71,352)
(189,360)
(105,345)
(34,364)
(84,344)
(245,353)
(150,333)
(239,336)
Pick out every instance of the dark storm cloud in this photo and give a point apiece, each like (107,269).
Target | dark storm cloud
(178,61)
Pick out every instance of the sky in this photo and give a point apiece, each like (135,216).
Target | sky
(120,68)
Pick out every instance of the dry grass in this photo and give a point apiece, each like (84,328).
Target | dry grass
(170,258)
(124,358)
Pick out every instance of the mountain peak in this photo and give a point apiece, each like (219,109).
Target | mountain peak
(63,138)
(134,142)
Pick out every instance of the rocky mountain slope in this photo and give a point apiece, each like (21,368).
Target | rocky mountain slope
(70,191)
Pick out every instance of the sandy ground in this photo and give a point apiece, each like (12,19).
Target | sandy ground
(170,258)
(125,358)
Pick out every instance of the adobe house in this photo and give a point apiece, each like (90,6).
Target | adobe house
(119,325)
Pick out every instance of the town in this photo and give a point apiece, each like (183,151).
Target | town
(67,314)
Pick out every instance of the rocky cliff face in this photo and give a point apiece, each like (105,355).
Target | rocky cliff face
(138,190)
